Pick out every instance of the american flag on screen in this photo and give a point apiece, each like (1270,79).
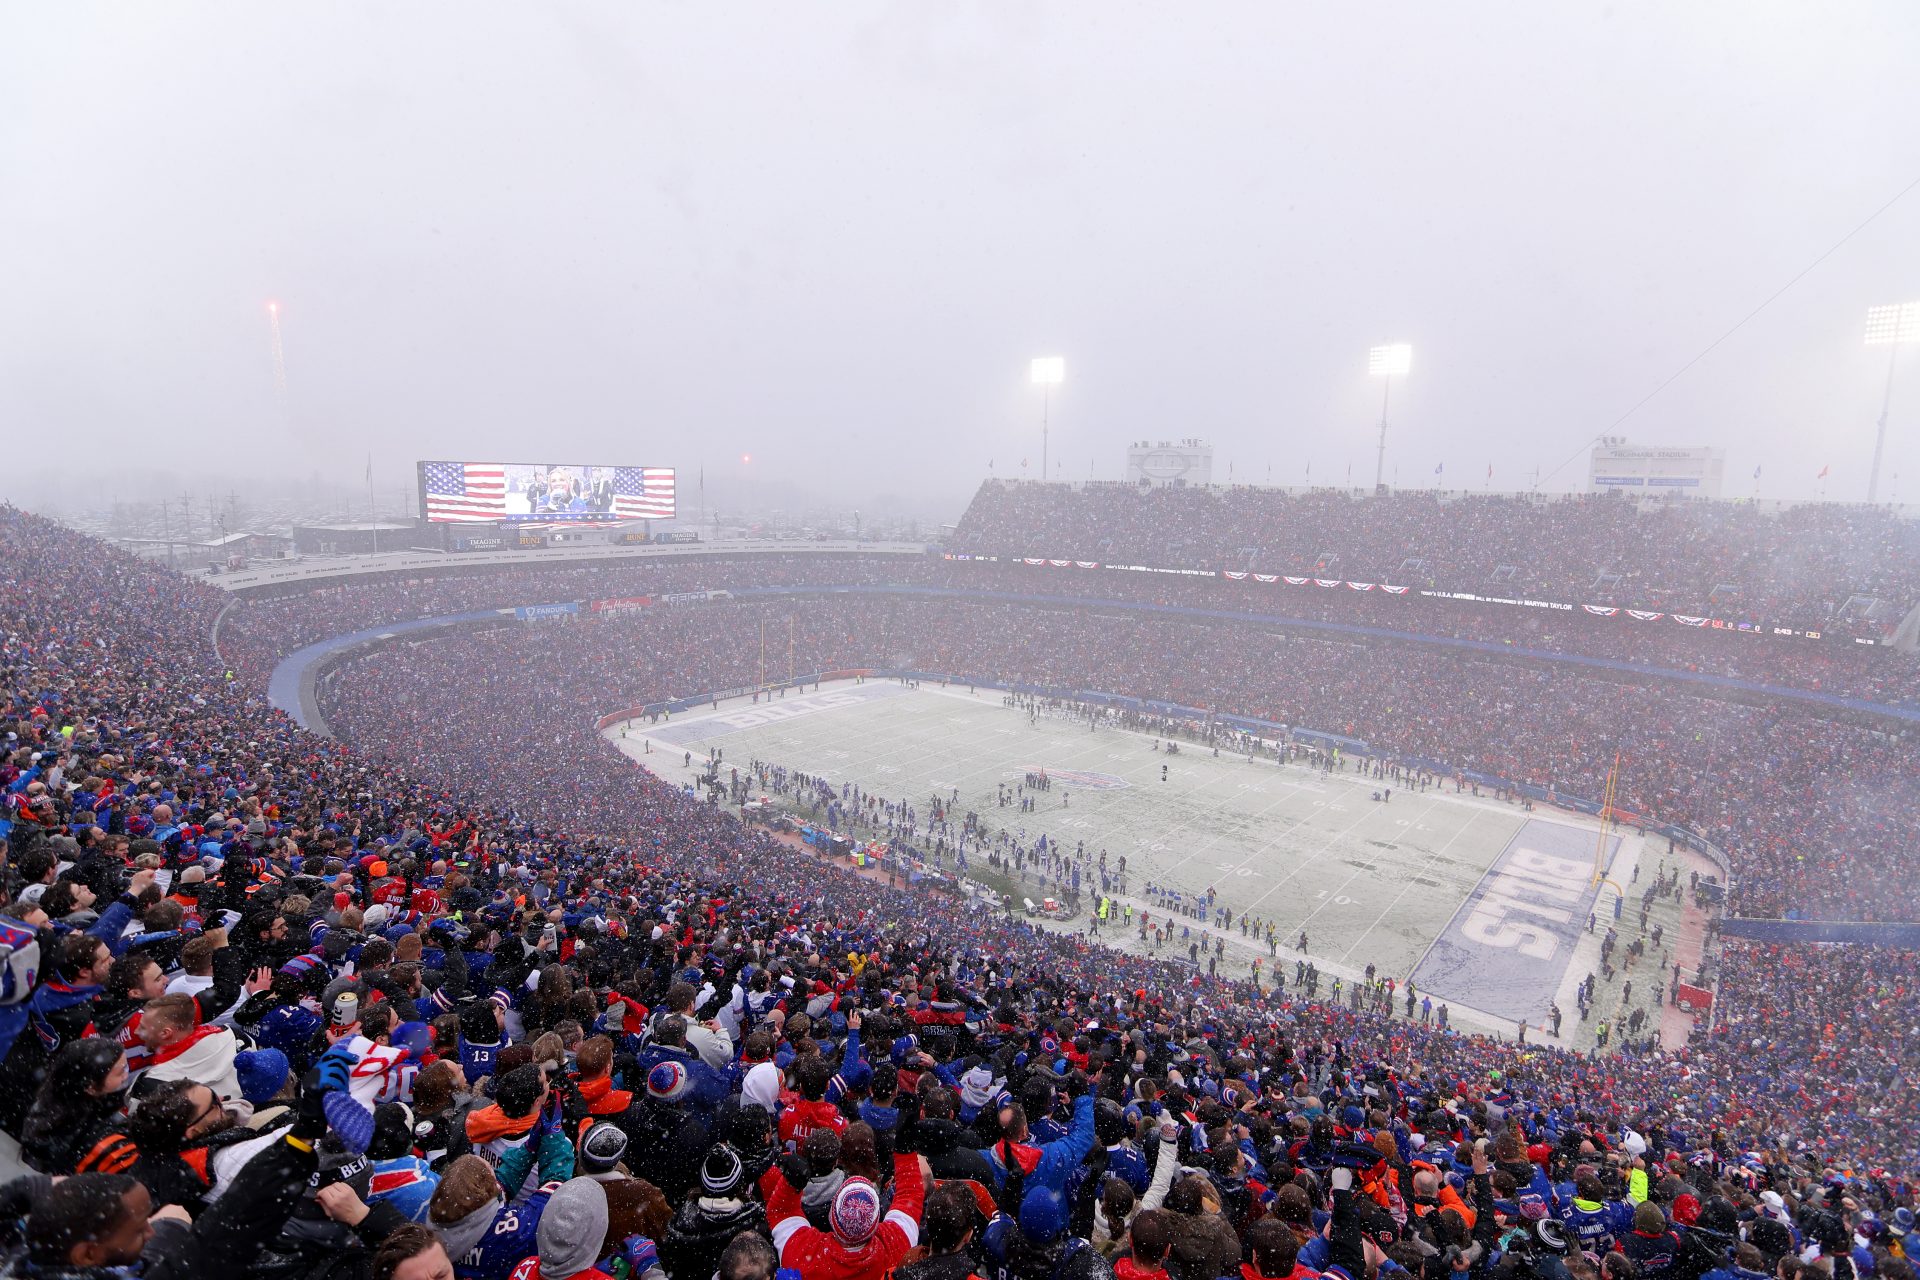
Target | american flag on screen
(643,493)
(470,492)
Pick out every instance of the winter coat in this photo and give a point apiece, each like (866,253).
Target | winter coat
(1204,1246)
(947,1266)
(58,1148)
(819,1255)
(666,1146)
(701,1230)
(225,1239)
(951,1158)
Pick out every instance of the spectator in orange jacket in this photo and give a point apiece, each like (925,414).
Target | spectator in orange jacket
(1432,1194)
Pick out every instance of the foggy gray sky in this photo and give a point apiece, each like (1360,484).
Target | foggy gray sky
(832,235)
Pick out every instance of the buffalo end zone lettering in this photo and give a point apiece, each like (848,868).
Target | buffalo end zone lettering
(1509,944)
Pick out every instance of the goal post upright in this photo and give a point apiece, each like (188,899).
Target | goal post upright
(1607,818)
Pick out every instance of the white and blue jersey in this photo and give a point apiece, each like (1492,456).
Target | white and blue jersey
(513,1237)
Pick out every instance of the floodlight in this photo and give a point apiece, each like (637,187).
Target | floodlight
(1891,326)
(1050,371)
(1390,361)
(1896,322)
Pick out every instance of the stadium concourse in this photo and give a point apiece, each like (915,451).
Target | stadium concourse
(462,986)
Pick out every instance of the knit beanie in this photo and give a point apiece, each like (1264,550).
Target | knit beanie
(721,1172)
(602,1149)
(856,1211)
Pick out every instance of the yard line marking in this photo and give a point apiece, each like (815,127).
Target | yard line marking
(1277,818)
(1408,887)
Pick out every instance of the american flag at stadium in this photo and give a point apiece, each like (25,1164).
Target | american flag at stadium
(643,493)
(484,492)
(467,492)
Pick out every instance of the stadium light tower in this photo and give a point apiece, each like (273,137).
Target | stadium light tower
(1048,373)
(1386,363)
(1892,327)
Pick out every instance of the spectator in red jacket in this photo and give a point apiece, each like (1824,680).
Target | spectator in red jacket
(863,1244)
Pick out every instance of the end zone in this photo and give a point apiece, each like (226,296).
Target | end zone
(1509,945)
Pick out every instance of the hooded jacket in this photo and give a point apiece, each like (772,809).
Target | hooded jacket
(603,1099)
(496,1238)
(702,1229)
(820,1255)
(1048,1165)
(492,1130)
(761,1086)
(1204,1246)
(571,1232)
(949,1156)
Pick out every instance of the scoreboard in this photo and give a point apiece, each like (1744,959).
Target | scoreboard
(1169,462)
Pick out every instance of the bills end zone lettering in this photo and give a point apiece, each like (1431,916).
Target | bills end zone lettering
(1508,946)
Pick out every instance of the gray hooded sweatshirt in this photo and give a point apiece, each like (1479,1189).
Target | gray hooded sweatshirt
(572,1227)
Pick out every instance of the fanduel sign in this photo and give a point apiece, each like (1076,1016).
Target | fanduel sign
(1507,948)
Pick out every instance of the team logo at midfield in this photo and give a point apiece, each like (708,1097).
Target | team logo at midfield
(1079,778)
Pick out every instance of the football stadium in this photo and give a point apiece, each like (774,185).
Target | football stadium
(1296,846)
(959,812)
(1222,642)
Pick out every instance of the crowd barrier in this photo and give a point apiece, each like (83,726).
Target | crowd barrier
(1904,935)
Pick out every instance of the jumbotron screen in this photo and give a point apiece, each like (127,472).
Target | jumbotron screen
(543,492)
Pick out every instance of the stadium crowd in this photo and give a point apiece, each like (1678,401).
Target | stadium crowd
(1814,813)
(261,630)
(279,1007)
(422,708)
(1725,559)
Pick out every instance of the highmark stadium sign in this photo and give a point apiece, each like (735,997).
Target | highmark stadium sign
(1655,471)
